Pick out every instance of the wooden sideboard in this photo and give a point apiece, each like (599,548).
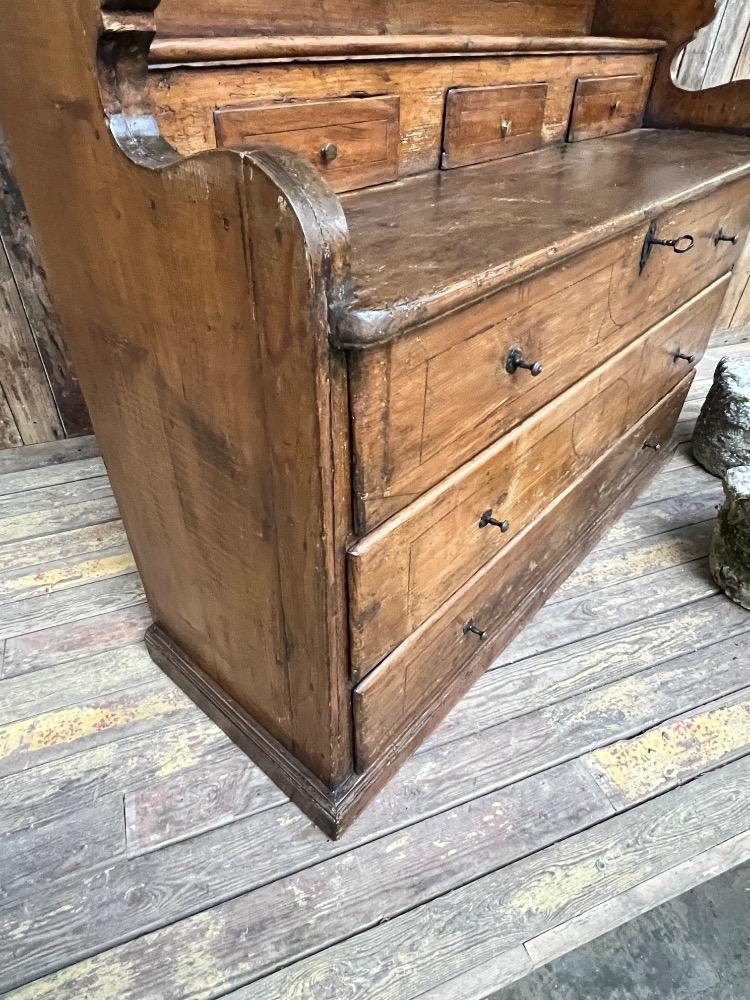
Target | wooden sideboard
(383,313)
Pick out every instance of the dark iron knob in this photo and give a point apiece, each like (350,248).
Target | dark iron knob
(471,628)
(679,356)
(721,237)
(329,152)
(653,447)
(515,360)
(487,518)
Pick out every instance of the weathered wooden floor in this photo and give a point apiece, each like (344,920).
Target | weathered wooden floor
(600,768)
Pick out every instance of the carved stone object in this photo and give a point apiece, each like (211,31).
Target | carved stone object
(722,432)
(730,549)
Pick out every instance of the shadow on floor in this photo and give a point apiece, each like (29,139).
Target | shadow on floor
(696,947)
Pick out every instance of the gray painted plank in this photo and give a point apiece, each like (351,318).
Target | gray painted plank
(78,781)
(676,481)
(51,497)
(47,610)
(333,892)
(65,545)
(49,522)
(51,475)
(641,898)
(36,858)
(38,455)
(654,518)
(75,641)
(397,960)
(67,684)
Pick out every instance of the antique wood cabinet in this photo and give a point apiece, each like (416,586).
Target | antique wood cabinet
(383,313)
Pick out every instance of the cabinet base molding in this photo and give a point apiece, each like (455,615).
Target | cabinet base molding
(335,809)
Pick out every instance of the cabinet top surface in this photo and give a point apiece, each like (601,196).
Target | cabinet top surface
(430,243)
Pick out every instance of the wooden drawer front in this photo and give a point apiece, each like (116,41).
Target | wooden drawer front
(409,686)
(666,278)
(606,105)
(487,123)
(354,142)
(402,572)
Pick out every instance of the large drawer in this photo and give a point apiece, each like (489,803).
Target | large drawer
(405,569)
(429,401)
(407,688)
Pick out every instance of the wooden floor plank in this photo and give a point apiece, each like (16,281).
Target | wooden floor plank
(641,898)
(678,480)
(44,611)
(36,858)
(64,545)
(446,772)
(637,560)
(66,685)
(64,574)
(675,752)
(53,453)
(75,641)
(389,875)
(493,915)
(52,497)
(27,743)
(654,518)
(621,604)
(51,475)
(42,523)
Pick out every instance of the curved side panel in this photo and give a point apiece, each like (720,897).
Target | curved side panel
(194,295)
(677,23)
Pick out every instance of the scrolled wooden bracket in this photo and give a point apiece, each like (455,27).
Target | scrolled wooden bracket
(726,108)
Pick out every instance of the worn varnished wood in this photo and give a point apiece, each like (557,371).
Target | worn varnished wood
(190,49)
(164,418)
(364,133)
(487,123)
(607,105)
(401,573)
(425,403)
(385,17)
(504,234)
(185,98)
(407,685)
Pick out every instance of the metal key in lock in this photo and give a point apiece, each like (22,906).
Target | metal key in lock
(680,244)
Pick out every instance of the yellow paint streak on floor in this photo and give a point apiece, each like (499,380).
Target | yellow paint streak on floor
(67,725)
(673,752)
(47,581)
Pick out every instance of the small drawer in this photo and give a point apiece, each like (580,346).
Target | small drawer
(487,123)
(354,141)
(607,105)
(463,638)
(406,569)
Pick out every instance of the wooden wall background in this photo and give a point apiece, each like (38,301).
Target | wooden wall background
(719,54)
(40,399)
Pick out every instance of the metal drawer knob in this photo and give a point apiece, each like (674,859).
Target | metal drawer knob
(506,128)
(653,447)
(614,108)
(487,518)
(329,152)
(471,629)
(721,237)
(679,356)
(515,360)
